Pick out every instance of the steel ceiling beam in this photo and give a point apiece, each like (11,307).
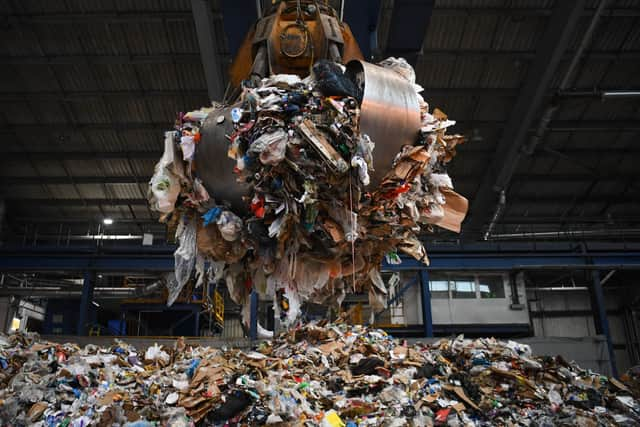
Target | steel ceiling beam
(203,18)
(77,155)
(584,154)
(429,92)
(566,199)
(546,220)
(181,15)
(510,220)
(527,11)
(363,17)
(553,199)
(551,47)
(408,28)
(66,127)
(546,177)
(183,58)
(191,58)
(101,17)
(37,180)
(526,55)
(462,125)
(78,220)
(21,201)
(83,95)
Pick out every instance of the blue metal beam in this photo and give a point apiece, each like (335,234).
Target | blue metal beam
(402,290)
(602,322)
(85,301)
(238,18)
(427,319)
(441,260)
(408,28)
(362,18)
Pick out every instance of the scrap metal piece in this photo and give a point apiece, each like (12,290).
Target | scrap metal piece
(323,147)
(213,166)
(389,114)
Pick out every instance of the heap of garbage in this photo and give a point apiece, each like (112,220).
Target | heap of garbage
(314,226)
(330,375)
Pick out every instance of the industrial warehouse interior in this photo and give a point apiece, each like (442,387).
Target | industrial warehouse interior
(220,213)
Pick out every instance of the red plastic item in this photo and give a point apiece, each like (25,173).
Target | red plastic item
(442,415)
(257,206)
(394,193)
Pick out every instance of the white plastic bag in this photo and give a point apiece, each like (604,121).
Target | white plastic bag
(188,147)
(361,164)
(185,259)
(275,151)
(155,353)
(230,226)
(164,185)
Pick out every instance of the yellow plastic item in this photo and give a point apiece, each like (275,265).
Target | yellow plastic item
(332,419)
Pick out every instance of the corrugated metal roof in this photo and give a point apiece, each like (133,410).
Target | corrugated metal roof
(106,77)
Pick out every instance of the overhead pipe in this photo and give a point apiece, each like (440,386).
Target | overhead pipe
(564,234)
(98,293)
(559,288)
(548,113)
(541,130)
(552,46)
(57,294)
(502,201)
(603,94)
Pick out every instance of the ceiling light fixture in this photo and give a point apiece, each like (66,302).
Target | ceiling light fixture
(107,221)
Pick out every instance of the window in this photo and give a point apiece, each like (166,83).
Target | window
(439,287)
(463,287)
(491,286)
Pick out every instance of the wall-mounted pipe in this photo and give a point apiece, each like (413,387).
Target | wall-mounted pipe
(566,234)
(502,201)
(548,113)
(603,94)
(560,289)
(98,293)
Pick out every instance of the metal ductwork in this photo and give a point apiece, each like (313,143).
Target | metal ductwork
(101,293)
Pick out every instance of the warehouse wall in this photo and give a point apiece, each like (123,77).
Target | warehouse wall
(570,314)
(448,310)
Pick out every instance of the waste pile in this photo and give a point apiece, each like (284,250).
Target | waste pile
(315,226)
(330,375)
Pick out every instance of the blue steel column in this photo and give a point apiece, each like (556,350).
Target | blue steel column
(427,320)
(85,301)
(601,318)
(196,326)
(253,320)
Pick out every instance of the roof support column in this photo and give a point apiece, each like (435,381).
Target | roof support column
(86,301)
(551,47)
(601,320)
(203,19)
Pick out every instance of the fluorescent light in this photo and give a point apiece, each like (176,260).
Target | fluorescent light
(110,237)
(95,303)
(147,239)
(107,221)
